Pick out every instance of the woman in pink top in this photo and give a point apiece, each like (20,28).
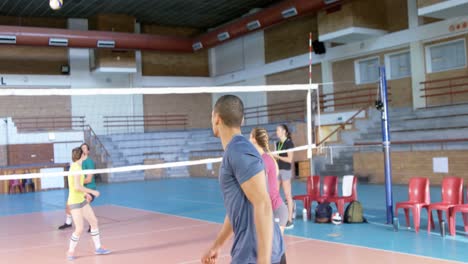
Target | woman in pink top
(259,138)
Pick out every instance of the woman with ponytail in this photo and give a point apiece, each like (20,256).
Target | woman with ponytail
(259,138)
(285,171)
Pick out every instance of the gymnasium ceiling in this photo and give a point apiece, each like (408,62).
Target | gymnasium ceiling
(192,13)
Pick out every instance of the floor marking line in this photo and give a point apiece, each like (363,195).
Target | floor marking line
(311,239)
(195,201)
(112,237)
(228,255)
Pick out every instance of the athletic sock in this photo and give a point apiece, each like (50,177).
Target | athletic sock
(73,242)
(68,220)
(96,238)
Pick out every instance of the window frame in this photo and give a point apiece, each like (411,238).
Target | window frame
(388,65)
(429,57)
(357,70)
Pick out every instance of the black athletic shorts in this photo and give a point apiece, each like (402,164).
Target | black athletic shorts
(92,197)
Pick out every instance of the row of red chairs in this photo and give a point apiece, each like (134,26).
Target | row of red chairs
(419,198)
(328,192)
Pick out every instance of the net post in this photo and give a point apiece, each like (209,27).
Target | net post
(386,145)
(309,111)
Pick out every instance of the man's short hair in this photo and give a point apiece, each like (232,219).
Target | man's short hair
(231,110)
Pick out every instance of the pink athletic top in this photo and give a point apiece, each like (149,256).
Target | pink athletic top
(272,176)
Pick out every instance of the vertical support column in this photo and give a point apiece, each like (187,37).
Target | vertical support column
(417,57)
(418,73)
(414,20)
(383,107)
(327,79)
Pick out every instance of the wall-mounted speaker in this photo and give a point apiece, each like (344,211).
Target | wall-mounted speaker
(319,47)
(65,69)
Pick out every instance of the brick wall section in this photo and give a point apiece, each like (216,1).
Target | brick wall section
(290,38)
(299,137)
(40,106)
(335,21)
(410,164)
(396,15)
(34,21)
(30,153)
(345,79)
(202,170)
(154,173)
(390,15)
(32,60)
(3,155)
(424,3)
(157,63)
(369,13)
(196,106)
(109,57)
(296,76)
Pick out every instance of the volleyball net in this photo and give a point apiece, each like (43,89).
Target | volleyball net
(141,133)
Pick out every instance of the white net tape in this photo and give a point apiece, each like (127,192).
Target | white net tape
(133,168)
(149,91)
(161,90)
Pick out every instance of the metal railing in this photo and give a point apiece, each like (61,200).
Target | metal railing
(99,153)
(145,122)
(342,125)
(45,123)
(284,111)
(412,143)
(350,99)
(445,91)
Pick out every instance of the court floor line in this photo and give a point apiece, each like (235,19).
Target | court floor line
(292,243)
(195,201)
(111,237)
(102,226)
(432,233)
(198,260)
(377,249)
(311,239)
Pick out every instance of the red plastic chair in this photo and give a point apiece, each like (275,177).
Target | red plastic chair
(15,185)
(452,195)
(419,198)
(313,191)
(463,208)
(349,193)
(329,189)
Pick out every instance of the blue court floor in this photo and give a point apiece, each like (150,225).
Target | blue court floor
(200,198)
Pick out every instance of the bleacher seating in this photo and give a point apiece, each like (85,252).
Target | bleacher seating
(168,146)
(429,124)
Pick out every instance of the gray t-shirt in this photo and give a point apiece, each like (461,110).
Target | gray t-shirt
(241,161)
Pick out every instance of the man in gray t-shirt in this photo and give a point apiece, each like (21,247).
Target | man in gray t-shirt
(257,239)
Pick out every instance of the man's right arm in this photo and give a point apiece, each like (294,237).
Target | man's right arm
(224,234)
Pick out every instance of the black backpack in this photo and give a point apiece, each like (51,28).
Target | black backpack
(354,213)
(323,213)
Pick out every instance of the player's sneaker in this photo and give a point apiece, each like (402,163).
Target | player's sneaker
(289,225)
(70,256)
(102,251)
(64,226)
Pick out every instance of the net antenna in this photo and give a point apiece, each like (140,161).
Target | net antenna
(313,121)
